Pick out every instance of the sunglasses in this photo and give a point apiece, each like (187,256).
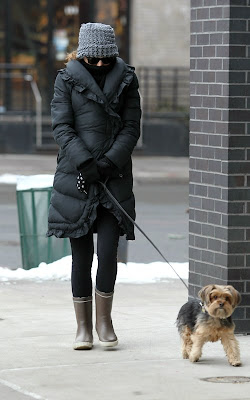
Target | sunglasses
(95,60)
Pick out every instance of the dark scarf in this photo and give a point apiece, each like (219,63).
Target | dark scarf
(98,73)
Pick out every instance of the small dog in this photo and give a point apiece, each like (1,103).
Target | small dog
(210,321)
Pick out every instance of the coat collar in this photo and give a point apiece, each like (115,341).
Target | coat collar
(115,78)
(120,76)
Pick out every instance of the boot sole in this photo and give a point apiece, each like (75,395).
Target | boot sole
(109,344)
(82,346)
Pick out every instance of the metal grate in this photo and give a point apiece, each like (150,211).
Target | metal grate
(164,90)
(227,379)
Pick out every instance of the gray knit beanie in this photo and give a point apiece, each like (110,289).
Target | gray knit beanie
(96,40)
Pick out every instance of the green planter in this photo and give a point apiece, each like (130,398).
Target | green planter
(32,205)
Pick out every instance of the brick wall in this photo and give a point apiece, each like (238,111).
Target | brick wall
(159,32)
(220,149)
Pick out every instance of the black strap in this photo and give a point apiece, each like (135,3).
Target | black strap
(137,226)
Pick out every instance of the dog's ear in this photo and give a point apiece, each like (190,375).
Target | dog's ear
(204,293)
(236,295)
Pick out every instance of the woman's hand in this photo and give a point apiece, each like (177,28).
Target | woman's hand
(88,174)
(105,167)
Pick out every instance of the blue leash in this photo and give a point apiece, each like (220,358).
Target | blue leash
(137,226)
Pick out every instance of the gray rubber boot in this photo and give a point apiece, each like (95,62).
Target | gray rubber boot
(104,326)
(83,311)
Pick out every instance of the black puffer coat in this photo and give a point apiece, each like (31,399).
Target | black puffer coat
(89,123)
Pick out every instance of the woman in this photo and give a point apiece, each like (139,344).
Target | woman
(96,123)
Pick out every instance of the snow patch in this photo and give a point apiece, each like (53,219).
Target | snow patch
(34,182)
(127,273)
(9,178)
(24,182)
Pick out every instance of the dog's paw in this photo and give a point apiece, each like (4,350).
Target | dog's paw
(235,363)
(194,358)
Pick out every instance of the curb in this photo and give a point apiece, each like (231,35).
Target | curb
(160,179)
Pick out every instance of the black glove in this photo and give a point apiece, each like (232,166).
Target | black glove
(105,167)
(81,184)
(88,174)
(89,171)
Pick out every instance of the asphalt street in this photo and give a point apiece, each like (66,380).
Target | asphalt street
(161,213)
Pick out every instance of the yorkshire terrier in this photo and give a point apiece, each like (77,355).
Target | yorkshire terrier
(210,321)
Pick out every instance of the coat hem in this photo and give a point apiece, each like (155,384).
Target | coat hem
(83,230)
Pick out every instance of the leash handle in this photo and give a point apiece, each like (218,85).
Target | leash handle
(115,201)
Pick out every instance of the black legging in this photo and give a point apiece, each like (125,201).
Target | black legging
(82,256)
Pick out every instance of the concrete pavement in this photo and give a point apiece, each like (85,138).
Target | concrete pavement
(38,327)
(38,362)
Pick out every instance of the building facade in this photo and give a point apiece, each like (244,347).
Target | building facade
(39,33)
(160,33)
(36,35)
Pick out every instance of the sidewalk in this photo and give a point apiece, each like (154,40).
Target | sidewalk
(37,360)
(38,327)
(146,169)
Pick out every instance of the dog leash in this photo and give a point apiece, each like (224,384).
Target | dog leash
(115,201)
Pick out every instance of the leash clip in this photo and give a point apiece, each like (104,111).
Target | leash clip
(202,307)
